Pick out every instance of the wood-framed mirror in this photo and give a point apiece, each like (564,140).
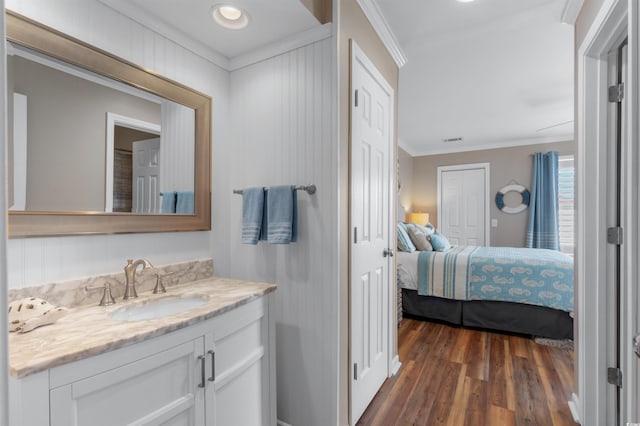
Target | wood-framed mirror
(155,215)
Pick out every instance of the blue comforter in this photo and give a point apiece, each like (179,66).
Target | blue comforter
(533,276)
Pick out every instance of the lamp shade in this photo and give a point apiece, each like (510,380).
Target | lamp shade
(420,218)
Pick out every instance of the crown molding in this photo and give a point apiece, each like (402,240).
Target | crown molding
(304,38)
(379,23)
(278,48)
(571,11)
(483,146)
(131,11)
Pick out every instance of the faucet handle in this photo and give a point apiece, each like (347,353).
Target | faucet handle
(159,288)
(107,297)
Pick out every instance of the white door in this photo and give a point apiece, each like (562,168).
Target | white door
(146,176)
(463,205)
(371,186)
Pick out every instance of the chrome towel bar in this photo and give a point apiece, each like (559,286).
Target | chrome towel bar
(311,189)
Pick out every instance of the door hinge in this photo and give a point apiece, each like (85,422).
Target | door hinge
(355,371)
(614,376)
(355,235)
(356,98)
(616,92)
(614,235)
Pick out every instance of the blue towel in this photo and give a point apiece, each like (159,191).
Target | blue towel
(252,212)
(280,219)
(184,202)
(168,202)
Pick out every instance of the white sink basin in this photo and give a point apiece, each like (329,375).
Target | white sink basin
(157,309)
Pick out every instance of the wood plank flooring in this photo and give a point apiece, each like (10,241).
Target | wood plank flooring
(454,376)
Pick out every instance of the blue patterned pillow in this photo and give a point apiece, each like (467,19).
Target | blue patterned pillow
(404,242)
(439,242)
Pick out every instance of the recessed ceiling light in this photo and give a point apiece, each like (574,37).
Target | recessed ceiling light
(231,13)
(465,1)
(229,16)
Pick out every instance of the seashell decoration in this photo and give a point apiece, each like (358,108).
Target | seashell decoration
(32,312)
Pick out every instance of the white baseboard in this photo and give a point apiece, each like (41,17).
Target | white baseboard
(395,365)
(574,403)
(281,423)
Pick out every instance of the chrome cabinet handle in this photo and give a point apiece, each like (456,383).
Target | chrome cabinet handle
(201,359)
(636,345)
(213,365)
(387,252)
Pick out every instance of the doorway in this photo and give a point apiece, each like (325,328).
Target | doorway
(121,132)
(607,218)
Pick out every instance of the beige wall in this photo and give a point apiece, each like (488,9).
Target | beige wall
(353,25)
(405,174)
(66,121)
(321,9)
(507,164)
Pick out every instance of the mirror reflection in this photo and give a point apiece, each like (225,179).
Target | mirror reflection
(81,142)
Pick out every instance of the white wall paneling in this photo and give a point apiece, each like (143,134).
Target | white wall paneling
(36,260)
(283,116)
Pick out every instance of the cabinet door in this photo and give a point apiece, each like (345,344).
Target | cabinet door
(242,373)
(161,389)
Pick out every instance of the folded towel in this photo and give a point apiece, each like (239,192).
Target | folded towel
(252,212)
(280,220)
(184,202)
(168,202)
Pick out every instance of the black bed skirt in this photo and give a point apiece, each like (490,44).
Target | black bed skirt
(518,318)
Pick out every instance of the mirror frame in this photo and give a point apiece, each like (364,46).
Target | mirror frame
(38,37)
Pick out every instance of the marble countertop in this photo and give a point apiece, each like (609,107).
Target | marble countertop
(88,331)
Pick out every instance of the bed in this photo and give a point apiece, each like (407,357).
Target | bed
(517,290)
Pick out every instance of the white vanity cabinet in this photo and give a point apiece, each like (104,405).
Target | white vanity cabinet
(219,371)
(156,389)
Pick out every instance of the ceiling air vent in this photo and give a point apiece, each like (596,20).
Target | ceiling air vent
(458,139)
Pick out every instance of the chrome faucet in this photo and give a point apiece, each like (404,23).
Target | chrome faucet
(130,276)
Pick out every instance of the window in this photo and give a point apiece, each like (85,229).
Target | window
(566,185)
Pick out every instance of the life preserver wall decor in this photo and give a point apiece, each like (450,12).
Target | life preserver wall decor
(514,187)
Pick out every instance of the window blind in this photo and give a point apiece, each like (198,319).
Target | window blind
(566,190)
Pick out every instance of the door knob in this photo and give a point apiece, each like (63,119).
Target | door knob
(387,252)
(636,345)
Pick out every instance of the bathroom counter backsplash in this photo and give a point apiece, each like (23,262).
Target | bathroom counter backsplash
(73,293)
(90,330)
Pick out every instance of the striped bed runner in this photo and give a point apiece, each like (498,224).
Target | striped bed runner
(445,274)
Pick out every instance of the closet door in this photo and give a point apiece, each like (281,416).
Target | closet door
(463,205)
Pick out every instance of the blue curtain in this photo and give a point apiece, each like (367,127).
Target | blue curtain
(543,210)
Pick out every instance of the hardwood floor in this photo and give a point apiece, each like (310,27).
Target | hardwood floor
(455,376)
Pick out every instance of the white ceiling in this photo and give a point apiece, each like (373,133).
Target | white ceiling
(270,21)
(494,72)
